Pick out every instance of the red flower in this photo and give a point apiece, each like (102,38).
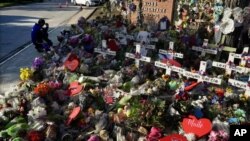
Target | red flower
(35,136)
(42,89)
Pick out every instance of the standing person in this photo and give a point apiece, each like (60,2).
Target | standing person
(40,34)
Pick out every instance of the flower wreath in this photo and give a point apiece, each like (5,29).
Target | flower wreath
(132,7)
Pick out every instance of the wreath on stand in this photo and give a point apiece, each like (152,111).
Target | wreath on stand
(132,7)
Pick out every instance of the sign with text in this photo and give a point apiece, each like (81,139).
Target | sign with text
(238,83)
(239,132)
(105,52)
(153,11)
(164,66)
(204,50)
(199,127)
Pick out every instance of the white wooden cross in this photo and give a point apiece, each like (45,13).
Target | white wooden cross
(147,46)
(103,50)
(201,77)
(230,67)
(138,56)
(240,56)
(171,51)
(143,48)
(202,70)
(164,66)
(205,50)
(189,74)
(240,84)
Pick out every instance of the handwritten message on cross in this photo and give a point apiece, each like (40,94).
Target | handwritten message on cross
(171,51)
(103,50)
(138,56)
(242,55)
(199,76)
(202,70)
(164,66)
(230,66)
(240,84)
(203,49)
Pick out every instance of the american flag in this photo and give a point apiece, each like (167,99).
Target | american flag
(165,57)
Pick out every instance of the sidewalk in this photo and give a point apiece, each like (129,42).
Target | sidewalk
(9,71)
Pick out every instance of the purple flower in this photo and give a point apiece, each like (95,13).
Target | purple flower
(87,38)
(37,63)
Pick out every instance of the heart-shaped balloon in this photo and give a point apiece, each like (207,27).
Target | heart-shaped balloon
(74,88)
(72,62)
(73,115)
(174,137)
(199,127)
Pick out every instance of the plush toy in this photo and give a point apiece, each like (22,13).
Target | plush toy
(227,24)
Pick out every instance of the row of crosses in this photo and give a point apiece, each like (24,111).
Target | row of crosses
(229,66)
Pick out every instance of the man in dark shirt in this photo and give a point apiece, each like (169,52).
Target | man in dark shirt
(40,34)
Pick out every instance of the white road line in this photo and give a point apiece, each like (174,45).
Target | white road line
(23,49)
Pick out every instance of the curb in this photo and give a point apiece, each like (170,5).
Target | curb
(19,49)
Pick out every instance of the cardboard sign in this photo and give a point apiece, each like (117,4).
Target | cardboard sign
(199,127)
(174,137)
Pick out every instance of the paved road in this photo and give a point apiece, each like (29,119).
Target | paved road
(9,70)
(16,22)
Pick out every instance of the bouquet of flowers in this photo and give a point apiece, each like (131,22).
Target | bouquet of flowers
(25,73)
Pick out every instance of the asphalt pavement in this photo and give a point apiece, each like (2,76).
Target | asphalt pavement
(16,22)
(9,69)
